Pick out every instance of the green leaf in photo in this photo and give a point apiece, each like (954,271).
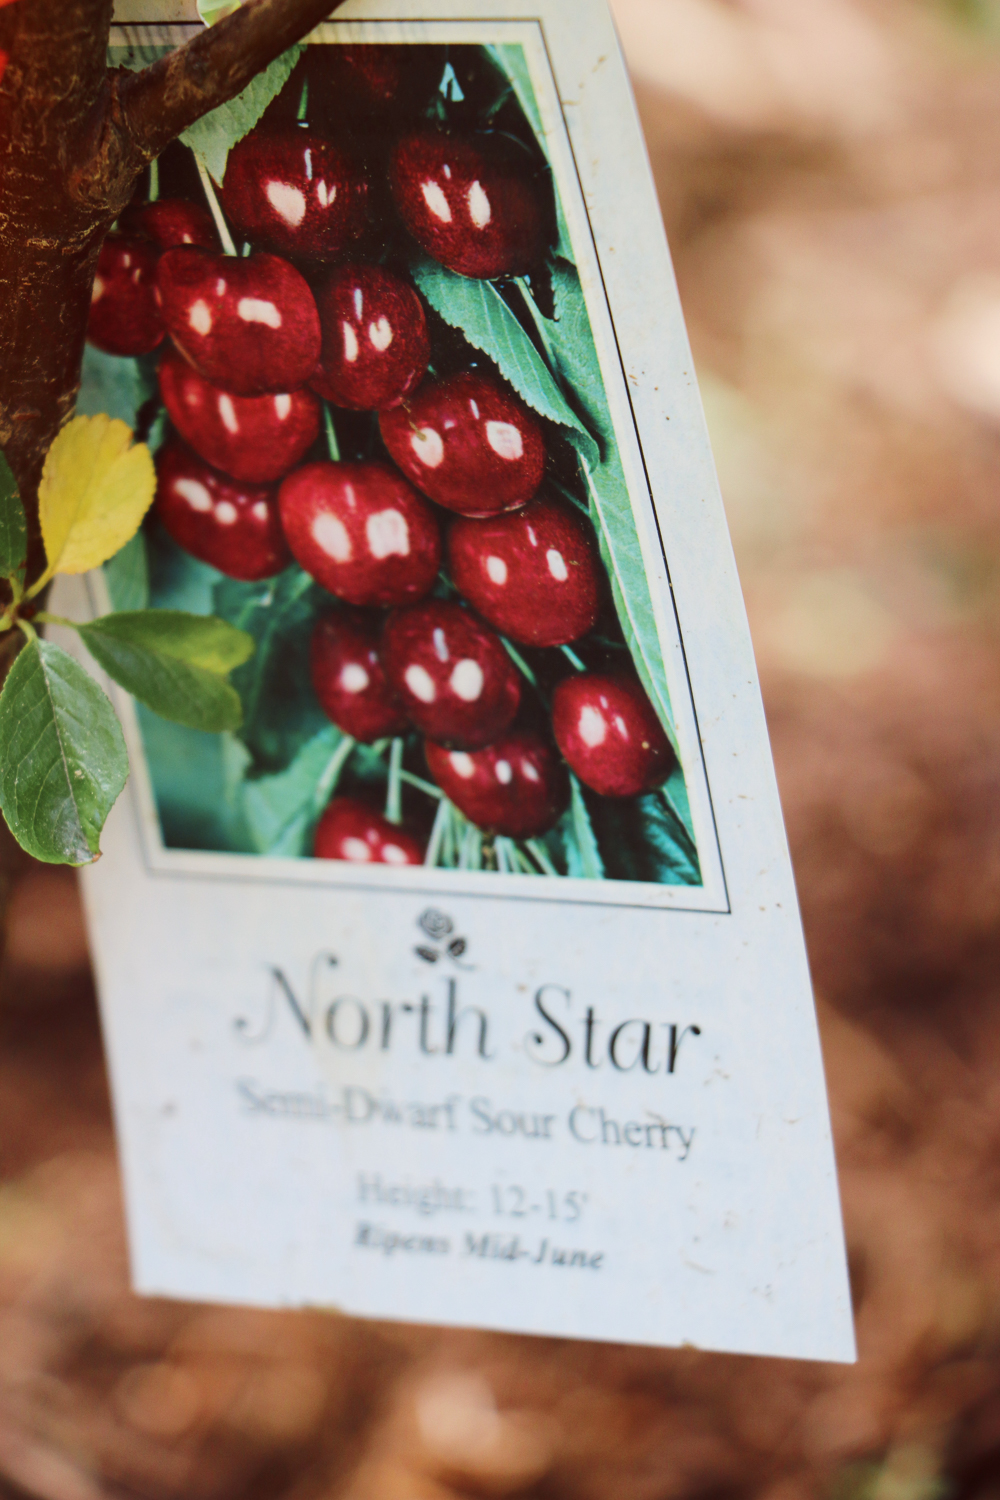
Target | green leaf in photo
(127,576)
(13,526)
(479,311)
(510,59)
(640,839)
(281,714)
(214,136)
(571,340)
(281,810)
(63,760)
(583,856)
(174,663)
(120,387)
(611,513)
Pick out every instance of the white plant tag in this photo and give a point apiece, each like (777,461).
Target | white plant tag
(531,1045)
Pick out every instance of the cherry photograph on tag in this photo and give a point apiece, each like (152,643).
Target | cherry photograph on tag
(452,972)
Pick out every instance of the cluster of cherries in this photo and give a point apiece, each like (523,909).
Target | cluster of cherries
(253,343)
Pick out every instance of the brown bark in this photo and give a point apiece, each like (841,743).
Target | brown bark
(74,138)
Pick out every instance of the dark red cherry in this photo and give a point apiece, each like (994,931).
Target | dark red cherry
(475,203)
(350,681)
(533,573)
(250,325)
(516,786)
(295,191)
(170,222)
(469,443)
(257,438)
(608,731)
(124,312)
(375,340)
(232,525)
(352,830)
(362,532)
(451,673)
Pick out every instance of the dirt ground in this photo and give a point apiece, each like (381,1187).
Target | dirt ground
(830,179)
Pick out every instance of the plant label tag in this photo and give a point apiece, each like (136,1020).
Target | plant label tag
(463,982)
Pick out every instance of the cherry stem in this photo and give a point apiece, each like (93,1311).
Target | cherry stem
(519,661)
(442,823)
(154,179)
(426,787)
(331,435)
(327,783)
(470,855)
(394,794)
(222,228)
(571,656)
(540,853)
(303,103)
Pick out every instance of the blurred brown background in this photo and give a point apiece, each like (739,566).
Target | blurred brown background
(830,177)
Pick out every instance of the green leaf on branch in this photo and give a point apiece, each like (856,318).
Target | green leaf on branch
(478,309)
(63,761)
(213,136)
(174,663)
(13,526)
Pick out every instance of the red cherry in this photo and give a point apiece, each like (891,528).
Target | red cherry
(250,325)
(469,443)
(233,526)
(296,191)
(257,438)
(473,202)
(375,340)
(124,312)
(533,573)
(170,222)
(352,830)
(607,730)
(516,786)
(350,681)
(362,532)
(451,673)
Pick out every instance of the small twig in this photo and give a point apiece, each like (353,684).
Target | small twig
(165,98)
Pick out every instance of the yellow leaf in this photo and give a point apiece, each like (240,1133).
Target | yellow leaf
(95,490)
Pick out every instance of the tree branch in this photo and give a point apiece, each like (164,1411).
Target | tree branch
(160,102)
